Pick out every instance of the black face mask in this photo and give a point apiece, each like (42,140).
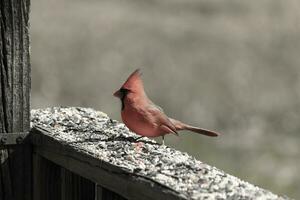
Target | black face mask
(123,92)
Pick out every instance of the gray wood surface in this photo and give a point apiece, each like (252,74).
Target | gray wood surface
(75,187)
(106,194)
(46,181)
(15,168)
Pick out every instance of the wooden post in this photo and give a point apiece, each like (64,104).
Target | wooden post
(15,167)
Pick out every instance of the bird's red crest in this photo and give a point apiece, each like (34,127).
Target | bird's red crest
(134,81)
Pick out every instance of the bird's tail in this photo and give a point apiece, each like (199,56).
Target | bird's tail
(201,131)
(182,126)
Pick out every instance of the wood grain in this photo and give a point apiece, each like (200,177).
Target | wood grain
(15,81)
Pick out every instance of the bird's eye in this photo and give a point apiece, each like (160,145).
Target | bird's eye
(124,91)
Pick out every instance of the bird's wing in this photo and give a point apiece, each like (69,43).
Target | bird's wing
(166,129)
(161,118)
(182,126)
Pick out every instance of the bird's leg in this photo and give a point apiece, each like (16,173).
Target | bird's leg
(138,145)
(163,140)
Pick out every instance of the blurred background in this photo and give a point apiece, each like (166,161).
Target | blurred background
(231,66)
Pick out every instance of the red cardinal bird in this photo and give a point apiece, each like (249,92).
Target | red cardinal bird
(145,118)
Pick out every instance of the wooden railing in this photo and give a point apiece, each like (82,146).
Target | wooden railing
(82,154)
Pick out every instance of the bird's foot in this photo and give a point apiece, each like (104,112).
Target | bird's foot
(138,146)
(136,139)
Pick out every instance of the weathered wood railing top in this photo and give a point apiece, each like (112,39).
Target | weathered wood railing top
(92,145)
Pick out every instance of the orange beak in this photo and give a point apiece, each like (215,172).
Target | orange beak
(117,94)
